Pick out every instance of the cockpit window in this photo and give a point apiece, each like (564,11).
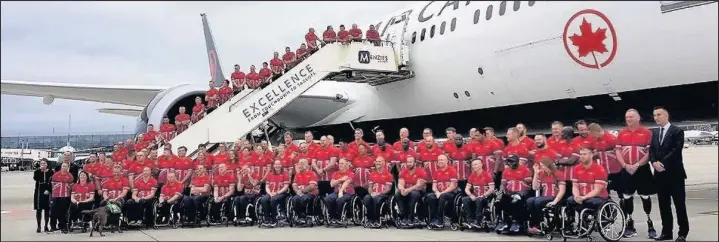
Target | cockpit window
(488,14)
(502,8)
(515,7)
(476,16)
(441,27)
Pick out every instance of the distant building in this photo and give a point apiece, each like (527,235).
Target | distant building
(79,142)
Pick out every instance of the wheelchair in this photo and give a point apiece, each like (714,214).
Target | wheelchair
(83,222)
(185,221)
(489,216)
(314,213)
(581,224)
(252,214)
(352,212)
(225,208)
(385,214)
(446,218)
(260,214)
(420,218)
(164,215)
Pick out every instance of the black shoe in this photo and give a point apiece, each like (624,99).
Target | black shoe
(663,237)
(46,229)
(681,239)
(38,230)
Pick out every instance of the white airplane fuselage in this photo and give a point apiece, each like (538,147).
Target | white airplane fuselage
(524,58)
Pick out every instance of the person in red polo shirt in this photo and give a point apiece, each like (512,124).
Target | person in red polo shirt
(583,140)
(165,165)
(543,151)
(444,184)
(277,188)
(515,188)
(428,151)
(523,138)
(632,152)
(254,80)
(479,190)
(591,183)
(343,36)
(459,155)
(184,168)
(605,145)
(403,134)
(329,36)
(355,33)
(401,155)
(286,158)
(182,120)
(222,157)
(362,165)
(277,65)
(341,183)
(305,186)
(373,36)
(91,165)
(225,92)
(311,39)
(167,130)
(224,189)
(249,184)
(116,188)
(137,168)
(199,193)
(358,140)
(198,111)
(556,137)
(516,147)
(261,164)
(551,186)
(212,97)
(143,194)
(170,196)
(238,80)
(301,53)
(265,75)
(325,165)
(289,59)
(411,185)
(490,153)
(380,188)
(82,198)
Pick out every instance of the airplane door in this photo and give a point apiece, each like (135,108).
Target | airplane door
(394,32)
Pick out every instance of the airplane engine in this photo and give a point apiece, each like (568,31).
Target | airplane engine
(167,103)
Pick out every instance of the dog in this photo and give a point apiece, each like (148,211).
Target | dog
(102,216)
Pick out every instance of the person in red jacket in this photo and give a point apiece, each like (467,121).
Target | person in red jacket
(343,36)
(312,39)
(355,33)
(289,59)
(182,120)
(139,208)
(238,80)
(329,36)
(62,182)
(479,191)
(373,36)
(198,111)
(302,53)
(254,80)
(444,186)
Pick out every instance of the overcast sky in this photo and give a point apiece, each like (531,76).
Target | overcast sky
(150,43)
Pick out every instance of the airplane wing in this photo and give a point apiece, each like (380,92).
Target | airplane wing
(121,111)
(138,96)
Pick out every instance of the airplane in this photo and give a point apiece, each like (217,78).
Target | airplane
(486,63)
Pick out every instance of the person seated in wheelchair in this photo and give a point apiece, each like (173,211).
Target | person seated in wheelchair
(362,164)
(248,185)
(116,188)
(277,185)
(342,183)
(589,183)
(170,196)
(515,191)
(139,208)
(551,186)
(380,188)
(444,186)
(305,186)
(199,193)
(224,188)
(81,198)
(479,190)
(411,185)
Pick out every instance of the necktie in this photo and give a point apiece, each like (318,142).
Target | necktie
(661,135)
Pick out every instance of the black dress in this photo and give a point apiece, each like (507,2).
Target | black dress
(43,183)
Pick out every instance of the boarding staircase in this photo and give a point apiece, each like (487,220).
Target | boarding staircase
(245,111)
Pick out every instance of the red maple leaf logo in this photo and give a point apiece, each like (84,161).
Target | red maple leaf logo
(589,41)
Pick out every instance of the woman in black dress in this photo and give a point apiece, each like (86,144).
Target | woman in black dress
(41,195)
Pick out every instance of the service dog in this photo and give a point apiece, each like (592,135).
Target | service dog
(104,216)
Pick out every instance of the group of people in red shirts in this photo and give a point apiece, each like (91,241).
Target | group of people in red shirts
(574,171)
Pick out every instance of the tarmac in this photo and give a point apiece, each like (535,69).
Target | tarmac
(18,222)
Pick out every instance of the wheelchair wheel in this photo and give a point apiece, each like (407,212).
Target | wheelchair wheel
(610,221)
(174,218)
(385,213)
(325,213)
(394,212)
(154,214)
(290,212)
(357,211)
(317,211)
(259,212)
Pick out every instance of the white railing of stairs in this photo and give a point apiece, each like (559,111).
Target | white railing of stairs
(244,112)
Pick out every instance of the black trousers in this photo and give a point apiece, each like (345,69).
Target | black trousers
(535,206)
(475,209)
(437,205)
(75,210)
(516,209)
(58,212)
(273,205)
(192,204)
(139,210)
(334,204)
(407,203)
(669,191)
(303,204)
(164,209)
(216,209)
(241,202)
(372,205)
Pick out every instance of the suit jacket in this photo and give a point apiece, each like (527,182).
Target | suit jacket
(669,153)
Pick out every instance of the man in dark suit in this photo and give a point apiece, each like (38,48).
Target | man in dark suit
(665,155)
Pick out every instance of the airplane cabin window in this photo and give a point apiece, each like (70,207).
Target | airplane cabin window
(476,16)
(466,93)
(453,24)
(421,36)
(431,32)
(441,27)
(488,14)
(515,7)
(530,3)
(502,8)
(414,37)
(480,71)
(456,95)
